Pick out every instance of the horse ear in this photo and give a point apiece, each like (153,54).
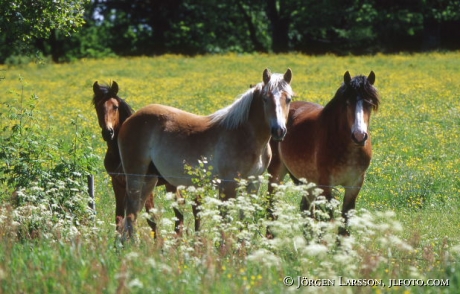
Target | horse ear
(96,88)
(371,78)
(114,87)
(267,75)
(288,76)
(347,78)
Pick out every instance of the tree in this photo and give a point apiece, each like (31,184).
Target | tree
(23,21)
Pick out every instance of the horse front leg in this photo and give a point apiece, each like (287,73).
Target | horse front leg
(307,203)
(227,190)
(349,203)
(277,171)
(119,189)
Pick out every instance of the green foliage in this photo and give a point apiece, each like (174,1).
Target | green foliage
(24,20)
(91,41)
(405,226)
(201,173)
(137,28)
(44,178)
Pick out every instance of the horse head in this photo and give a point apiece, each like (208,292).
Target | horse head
(361,98)
(107,105)
(277,95)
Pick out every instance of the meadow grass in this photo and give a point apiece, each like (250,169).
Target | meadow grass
(406,224)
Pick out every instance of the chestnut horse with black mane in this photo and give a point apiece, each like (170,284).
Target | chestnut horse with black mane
(234,140)
(329,145)
(112,111)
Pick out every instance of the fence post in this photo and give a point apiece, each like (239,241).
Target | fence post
(92,204)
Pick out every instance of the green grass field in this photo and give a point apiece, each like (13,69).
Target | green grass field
(406,227)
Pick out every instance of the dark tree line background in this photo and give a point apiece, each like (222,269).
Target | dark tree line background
(154,27)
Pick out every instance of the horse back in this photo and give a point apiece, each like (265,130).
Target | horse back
(301,111)
(168,118)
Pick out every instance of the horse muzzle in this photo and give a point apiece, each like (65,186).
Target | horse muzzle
(108,134)
(360,139)
(278,133)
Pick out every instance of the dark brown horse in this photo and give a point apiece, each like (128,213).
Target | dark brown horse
(112,111)
(328,145)
(234,140)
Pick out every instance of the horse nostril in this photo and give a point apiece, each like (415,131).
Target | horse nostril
(278,133)
(108,134)
(359,138)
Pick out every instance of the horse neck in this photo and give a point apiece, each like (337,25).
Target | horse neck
(336,124)
(257,122)
(124,113)
(112,145)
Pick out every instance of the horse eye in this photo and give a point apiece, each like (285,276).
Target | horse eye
(288,99)
(115,107)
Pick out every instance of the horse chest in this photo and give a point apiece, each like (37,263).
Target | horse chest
(112,161)
(260,163)
(349,167)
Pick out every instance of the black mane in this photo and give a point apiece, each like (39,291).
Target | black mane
(358,86)
(108,91)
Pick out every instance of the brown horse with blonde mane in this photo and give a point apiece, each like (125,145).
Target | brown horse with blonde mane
(112,111)
(234,140)
(329,145)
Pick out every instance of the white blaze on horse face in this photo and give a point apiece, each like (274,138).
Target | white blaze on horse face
(279,110)
(280,122)
(359,128)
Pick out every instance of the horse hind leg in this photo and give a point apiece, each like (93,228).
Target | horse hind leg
(179,223)
(149,202)
(138,189)
(149,206)
(133,190)
(196,208)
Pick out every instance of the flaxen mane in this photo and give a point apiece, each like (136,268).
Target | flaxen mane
(232,116)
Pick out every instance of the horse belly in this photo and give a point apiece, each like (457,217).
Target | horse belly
(171,159)
(236,159)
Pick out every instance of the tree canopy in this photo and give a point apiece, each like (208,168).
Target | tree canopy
(152,27)
(25,20)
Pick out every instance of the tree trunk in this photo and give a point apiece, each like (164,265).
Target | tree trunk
(279,25)
(252,29)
